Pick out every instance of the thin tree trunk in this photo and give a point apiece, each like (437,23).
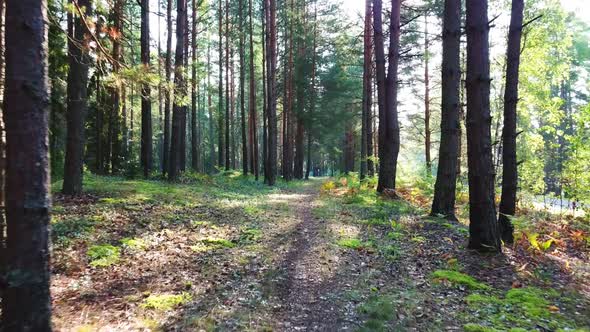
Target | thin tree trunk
(194,133)
(427,131)
(450,126)
(313,92)
(253,136)
(220,90)
(185,108)
(180,87)
(227,90)
(116,91)
(300,90)
(265,66)
(210,109)
(26,302)
(146,104)
(367,94)
(272,98)
(168,101)
(510,167)
(242,89)
(78,60)
(483,226)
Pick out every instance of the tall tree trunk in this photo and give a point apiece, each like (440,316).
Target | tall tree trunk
(232,112)
(450,126)
(26,302)
(510,167)
(185,107)
(220,121)
(483,226)
(116,91)
(194,134)
(271,93)
(367,93)
(146,103)
(211,167)
(168,101)
(180,88)
(300,90)
(265,66)
(78,60)
(313,92)
(227,87)
(242,88)
(2,144)
(389,136)
(252,134)
(427,131)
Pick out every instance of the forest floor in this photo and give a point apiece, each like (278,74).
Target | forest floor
(227,253)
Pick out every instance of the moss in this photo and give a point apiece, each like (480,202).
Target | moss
(354,243)
(531,300)
(478,328)
(103,255)
(459,278)
(165,302)
(218,243)
(134,243)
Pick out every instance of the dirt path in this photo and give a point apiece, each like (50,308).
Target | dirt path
(305,287)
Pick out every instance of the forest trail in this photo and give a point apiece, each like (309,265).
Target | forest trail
(226,253)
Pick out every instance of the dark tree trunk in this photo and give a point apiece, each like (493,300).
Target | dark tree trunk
(168,101)
(185,108)
(265,66)
(483,226)
(116,91)
(389,136)
(242,89)
(252,134)
(227,88)
(300,90)
(78,60)
(146,103)
(271,39)
(210,109)
(180,87)
(194,133)
(367,93)
(26,302)
(510,168)
(220,90)
(313,92)
(450,126)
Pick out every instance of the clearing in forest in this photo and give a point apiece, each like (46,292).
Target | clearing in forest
(228,253)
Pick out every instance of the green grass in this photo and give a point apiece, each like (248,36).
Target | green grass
(353,243)
(103,255)
(165,302)
(459,278)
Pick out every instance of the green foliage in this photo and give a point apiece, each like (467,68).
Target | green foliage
(165,302)
(103,255)
(353,243)
(458,278)
(65,230)
(134,243)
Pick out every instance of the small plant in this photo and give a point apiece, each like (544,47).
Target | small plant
(378,310)
(354,244)
(134,243)
(165,302)
(103,255)
(327,186)
(459,278)
(250,235)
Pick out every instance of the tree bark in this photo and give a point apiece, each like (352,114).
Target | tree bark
(450,126)
(308,167)
(483,226)
(227,92)
(220,121)
(389,136)
(116,91)
(510,168)
(194,133)
(78,59)
(252,133)
(180,88)
(242,88)
(26,302)
(146,104)
(427,131)
(271,39)
(168,101)
(367,67)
